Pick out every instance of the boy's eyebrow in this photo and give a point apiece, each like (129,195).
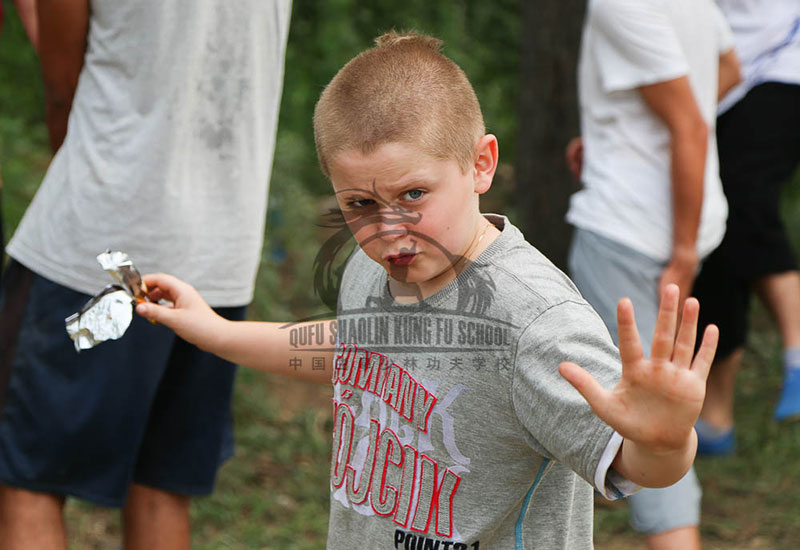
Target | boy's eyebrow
(391,188)
(414,181)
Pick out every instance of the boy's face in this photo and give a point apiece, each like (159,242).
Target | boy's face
(416,215)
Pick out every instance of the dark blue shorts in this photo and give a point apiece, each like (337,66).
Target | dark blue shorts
(147,408)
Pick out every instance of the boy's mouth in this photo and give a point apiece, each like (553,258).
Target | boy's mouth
(402,259)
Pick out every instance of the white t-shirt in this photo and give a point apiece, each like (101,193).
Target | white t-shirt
(767,34)
(169,147)
(626,44)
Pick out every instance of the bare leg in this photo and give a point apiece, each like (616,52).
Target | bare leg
(781,294)
(156,520)
(718,406)
(31,520)
(683,538)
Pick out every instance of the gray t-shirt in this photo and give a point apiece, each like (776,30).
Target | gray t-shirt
(169,147)
(452,424)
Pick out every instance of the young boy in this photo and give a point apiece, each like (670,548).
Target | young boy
(453,426)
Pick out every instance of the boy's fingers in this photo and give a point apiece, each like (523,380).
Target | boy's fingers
(630,345)
(591,390)
(162,280)
(154,312)
(157,278)
(155,294)
(162,285)
(664,336)
(705,355)
(687,334)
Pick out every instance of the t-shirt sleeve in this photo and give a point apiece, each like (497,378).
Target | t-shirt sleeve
(559,422)
(724,33)
(634,44)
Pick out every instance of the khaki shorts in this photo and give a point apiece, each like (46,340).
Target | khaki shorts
(605,271)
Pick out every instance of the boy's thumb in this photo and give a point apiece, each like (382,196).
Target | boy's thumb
(154,313)
(587,386)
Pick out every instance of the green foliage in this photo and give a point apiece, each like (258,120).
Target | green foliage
(23,139)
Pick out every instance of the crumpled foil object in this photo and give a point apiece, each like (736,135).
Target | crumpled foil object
(109,313)
(105,317)
(121,268)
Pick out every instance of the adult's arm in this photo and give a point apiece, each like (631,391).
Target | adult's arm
(26,9)
(63,27)
(573,154)
(673,102)
(729,72)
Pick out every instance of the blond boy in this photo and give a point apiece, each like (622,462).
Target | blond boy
(454,426)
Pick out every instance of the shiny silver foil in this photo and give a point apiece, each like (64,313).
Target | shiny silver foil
(109,313)
(121,268)
(105,317)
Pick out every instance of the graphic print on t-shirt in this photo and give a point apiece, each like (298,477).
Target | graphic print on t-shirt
(388,471)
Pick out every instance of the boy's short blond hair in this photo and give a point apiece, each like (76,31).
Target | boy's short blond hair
(403,90)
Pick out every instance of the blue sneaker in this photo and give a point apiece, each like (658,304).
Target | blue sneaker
(789,405)
(721,445)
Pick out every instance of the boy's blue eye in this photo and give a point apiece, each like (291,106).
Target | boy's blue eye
(413,195)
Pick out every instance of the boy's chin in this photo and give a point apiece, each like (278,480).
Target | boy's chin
(404,278)
(407,276)
(412,276)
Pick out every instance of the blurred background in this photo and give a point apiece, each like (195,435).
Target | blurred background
(520,57)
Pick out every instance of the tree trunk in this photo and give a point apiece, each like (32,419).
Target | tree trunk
(548,119)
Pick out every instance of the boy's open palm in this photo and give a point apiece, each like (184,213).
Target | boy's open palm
(658,399)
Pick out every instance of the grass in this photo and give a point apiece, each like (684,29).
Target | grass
(274,494)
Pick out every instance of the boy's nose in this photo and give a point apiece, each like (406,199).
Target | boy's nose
(390,228)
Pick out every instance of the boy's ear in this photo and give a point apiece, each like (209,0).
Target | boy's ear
(486,157)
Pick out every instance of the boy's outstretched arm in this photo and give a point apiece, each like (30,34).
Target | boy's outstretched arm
(658,399)
(263,346)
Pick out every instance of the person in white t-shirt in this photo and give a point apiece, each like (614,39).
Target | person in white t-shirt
(651,206)
(759,147)
(162,116)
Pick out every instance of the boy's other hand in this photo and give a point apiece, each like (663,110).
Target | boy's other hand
(658,399)
(189,315)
